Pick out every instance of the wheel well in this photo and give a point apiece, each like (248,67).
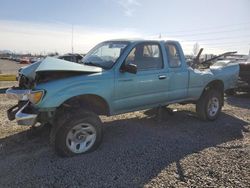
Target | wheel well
(89,102)
(217,85)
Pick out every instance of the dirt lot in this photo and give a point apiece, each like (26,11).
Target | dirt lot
(8,67)
(137,151)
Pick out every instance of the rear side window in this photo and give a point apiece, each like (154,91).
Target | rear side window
(152,51)
(146,57)
(173,54)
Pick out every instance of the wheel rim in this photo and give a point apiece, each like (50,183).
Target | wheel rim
(81,138)
(213,106)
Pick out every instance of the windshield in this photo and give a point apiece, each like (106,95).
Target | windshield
(105,54)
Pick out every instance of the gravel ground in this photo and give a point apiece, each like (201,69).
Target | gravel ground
(9,67)
(181,151)
(137,151)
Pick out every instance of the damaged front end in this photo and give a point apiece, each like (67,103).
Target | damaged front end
(24,112)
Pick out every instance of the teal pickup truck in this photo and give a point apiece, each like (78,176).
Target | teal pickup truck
(115,77)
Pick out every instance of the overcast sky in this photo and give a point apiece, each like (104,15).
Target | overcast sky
(45,26)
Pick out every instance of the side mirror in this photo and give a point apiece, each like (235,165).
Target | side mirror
(131,68)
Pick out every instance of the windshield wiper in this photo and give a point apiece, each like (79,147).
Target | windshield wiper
(93,64)
(89,63)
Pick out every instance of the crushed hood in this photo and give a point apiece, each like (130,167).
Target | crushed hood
(54,64)
(50,64)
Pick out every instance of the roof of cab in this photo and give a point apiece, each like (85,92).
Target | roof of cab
(139,40)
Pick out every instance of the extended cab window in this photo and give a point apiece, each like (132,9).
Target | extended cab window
(174,60)
(145,56)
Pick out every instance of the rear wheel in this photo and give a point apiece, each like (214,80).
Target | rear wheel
(76,133)
(208,107)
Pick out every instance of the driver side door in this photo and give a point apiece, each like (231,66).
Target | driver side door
(145,88)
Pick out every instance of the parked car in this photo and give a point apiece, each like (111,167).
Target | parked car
(35,59)
(116,77)
(25,61)
(72,57)
(243,84)
(17,59)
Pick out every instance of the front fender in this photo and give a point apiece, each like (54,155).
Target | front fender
(59,91)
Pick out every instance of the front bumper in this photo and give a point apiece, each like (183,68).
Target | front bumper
(24,115)
(24,112)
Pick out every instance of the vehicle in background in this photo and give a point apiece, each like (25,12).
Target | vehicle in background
(17,59)
(115,77)
(25,60)
(243,84)
(35,59)
(244,77)
(71,57)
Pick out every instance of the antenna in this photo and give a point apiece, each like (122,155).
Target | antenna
(72,38)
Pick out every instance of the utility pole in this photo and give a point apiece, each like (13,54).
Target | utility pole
(160,36)
(72,38)
(248,60)
(249,52)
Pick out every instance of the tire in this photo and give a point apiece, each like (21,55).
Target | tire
(76,133)
(208,107)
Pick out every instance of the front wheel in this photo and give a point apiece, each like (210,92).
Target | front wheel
(208,107)
(77,133)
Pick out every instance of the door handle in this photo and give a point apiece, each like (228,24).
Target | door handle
(162,77)
(126,80)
